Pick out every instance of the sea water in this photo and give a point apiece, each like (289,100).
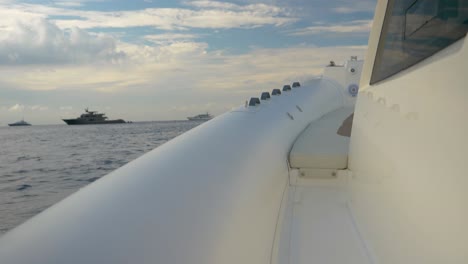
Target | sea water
(41,165)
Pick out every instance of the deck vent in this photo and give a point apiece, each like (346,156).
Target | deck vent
(286,88)
(296,84)
(265,96)
(276,92)
(254,101)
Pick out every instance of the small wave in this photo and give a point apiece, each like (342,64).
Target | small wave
(23,187)
(30,195)
(104,168)
(24,158)
(92,179)
(21,171)
(12,180)
(77,157)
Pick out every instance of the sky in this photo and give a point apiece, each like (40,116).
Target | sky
(144,60)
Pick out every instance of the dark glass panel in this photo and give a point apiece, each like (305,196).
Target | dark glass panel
(414,30)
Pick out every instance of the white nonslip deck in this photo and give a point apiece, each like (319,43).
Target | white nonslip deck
(321,227)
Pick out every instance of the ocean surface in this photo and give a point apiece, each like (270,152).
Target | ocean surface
(41,165)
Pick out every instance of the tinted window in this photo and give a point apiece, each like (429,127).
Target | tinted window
(416,29)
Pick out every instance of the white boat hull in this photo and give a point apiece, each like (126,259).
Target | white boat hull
(174,205)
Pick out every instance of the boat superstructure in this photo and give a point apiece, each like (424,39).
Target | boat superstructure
(20,123)
(201,117)
(92,118)
(329,170)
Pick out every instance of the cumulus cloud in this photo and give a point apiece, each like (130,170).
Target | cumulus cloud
(356,26)
(38,41)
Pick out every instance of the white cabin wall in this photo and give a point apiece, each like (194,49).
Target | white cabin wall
(345,77)
(336,73)
(408,156)
(373,42)
(353,77)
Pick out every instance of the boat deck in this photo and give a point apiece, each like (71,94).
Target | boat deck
(319,227)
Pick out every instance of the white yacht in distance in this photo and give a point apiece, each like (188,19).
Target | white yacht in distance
(202,117)
(364,165)
(92,118)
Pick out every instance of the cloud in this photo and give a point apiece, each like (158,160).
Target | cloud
(184,67)
(170,38)
(144,66)
(21,108)
(271,68)
(258,8)
(208,14)
(357,6)
(16,108)
(38,108)
(74,3)
(166,54)
(356,26)
(213,4)
(65,108)
(68,4)
(170,81)
(38,41)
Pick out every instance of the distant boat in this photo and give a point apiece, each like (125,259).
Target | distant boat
(92,118)
(20,123)
(202,117)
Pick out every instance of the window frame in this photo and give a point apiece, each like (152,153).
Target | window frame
(375,77)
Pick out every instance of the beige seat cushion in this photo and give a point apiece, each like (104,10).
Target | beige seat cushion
(320,146)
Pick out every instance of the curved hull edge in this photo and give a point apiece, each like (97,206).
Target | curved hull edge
(15,125)
(82,122)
